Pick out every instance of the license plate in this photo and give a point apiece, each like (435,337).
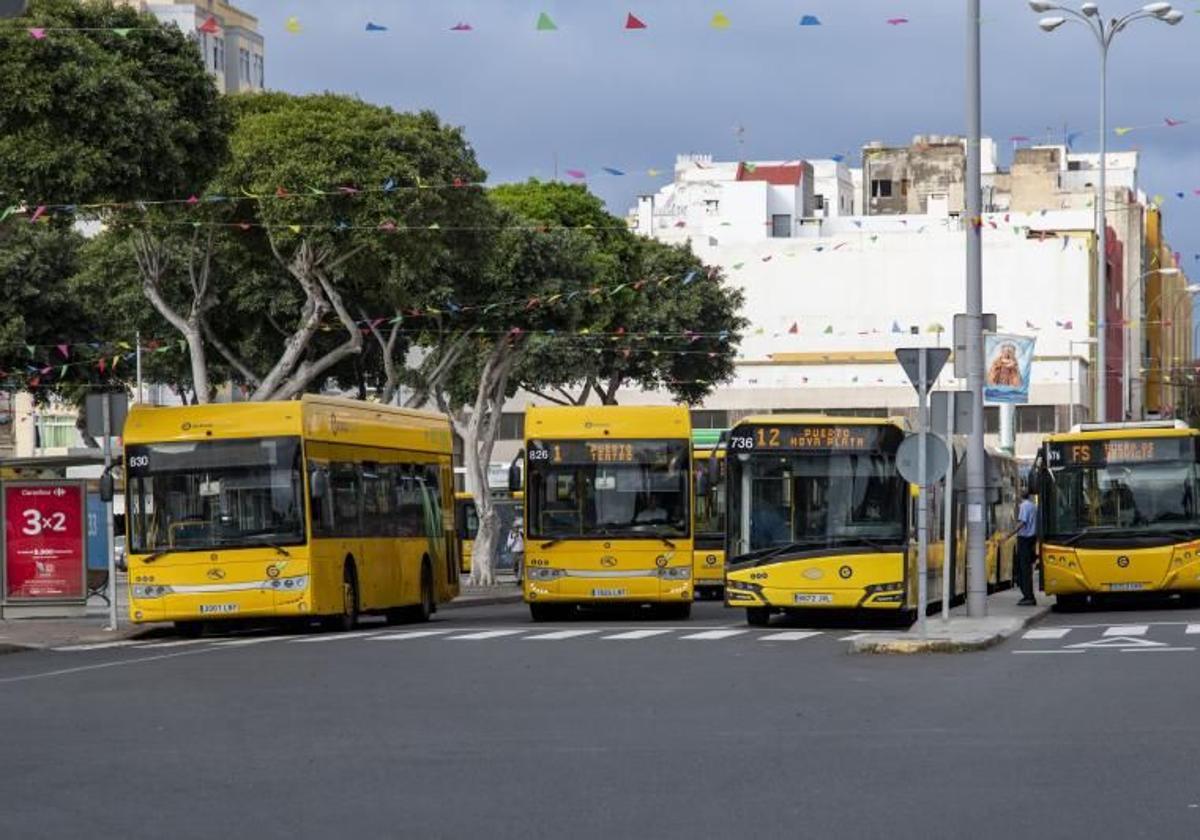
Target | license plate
(811,598)
(1125,587)
(609,593)
(218,609)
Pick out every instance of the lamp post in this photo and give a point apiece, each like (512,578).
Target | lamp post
(1184,295)
(1162,272)
(1071,345)
(1105,31)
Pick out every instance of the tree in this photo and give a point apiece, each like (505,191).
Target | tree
(90,115)
(529,289)
(330,212)
(663,321)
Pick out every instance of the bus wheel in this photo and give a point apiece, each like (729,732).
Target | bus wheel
(348,619)
(189,629)
(424,610)
(1069,603)
(758,616)
(548,612)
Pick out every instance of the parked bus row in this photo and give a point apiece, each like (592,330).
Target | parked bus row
(325,509)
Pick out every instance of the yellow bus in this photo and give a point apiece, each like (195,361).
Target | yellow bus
(466,523)
(1004,485)
(708,466)
(314,509)
(608,509)
(1119,510)
(820,518)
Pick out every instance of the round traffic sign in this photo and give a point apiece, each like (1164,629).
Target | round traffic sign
(937,459)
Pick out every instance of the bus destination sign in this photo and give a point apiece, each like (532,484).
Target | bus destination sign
(1127,451)
(598,451)
(805,438)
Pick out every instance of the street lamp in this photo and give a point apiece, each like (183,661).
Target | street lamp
(1071,344)
(1105,31)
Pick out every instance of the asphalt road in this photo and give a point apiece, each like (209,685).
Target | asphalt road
(612,728)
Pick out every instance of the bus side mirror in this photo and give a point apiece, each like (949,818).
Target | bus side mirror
(515,478)
(107,489)
(319,484)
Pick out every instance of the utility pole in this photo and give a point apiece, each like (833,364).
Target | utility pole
(976,453)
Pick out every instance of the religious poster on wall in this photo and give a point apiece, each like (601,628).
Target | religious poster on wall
(1008,365)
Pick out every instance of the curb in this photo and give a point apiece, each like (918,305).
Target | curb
(968,643)
(5,647)
(484,601)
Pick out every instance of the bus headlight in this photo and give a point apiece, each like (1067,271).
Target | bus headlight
(287,584)
(743,586)
(676,573)
(538,573)
(885,587)
(145,592)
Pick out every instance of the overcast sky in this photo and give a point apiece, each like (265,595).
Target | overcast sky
(597,95)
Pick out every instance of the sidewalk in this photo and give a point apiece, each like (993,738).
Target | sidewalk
(20,634)
(505,591)
(961,634)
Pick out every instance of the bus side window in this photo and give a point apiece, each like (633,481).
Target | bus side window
(344,487)
(320,499)
(409,512)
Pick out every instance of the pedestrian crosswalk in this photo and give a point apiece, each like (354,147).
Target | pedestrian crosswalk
(476,634)
(1159,637)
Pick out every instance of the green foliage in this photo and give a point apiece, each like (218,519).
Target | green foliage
(90,116)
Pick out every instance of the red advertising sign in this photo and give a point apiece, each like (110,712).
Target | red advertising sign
(45,542)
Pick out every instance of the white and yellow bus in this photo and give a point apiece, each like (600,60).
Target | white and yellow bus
(314,509)
(708,467)
(608,509)
(1120,510)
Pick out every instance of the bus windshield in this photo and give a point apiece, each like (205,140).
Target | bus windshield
(1149,497)
(815,500)
(623,489)
(215,494)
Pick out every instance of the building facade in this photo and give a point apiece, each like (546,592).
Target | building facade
(234,54)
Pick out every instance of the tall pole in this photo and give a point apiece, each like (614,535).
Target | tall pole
(110,537)
(139,367)
(1102,240)
(1071,384)
(923,490)
(976,454)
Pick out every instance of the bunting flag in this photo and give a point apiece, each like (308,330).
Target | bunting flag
(810,20)
(719,21)
(375,27)
(632,21)
(293,25)
(545,24)
(210,26)
(794,329)
(462,27)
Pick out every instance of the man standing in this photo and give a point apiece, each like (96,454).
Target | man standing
(516,547)
(1026,548)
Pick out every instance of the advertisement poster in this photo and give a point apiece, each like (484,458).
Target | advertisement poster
(1008,363)
(45,550)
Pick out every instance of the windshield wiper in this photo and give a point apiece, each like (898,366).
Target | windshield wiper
(152,557)
(1090,531)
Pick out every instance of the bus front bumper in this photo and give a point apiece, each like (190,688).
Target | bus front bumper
(292,598)
(881,597)
(577,587)
(1067,571)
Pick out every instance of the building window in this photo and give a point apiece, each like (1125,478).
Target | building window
(1074,165)
(512,426)
(881,188)
(259,72)
(1033,419)
(218,53)
(781,226)
(244,66)
(710,419)
(819,201)
(991,420)
(711,207)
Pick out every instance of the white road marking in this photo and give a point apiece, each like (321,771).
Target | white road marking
(1047,633)
(714,634)
(97,646)
(334,637)
(254,640)
(102,665)
(1192,629)
(177,643)
(789,636)
(638,634)
(411,634)
(1049,651)
(1128,630)
(562,634)
(1158,650)
(854,638)
(486,634)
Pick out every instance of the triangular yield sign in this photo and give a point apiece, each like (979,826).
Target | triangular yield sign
(632,22)
(1120,642)
(910,359)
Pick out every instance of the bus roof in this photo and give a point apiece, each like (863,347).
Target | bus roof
(1108,431)
(707,437)
(608,421)
(314,417)
(820,420)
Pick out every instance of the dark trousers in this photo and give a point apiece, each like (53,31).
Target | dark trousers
(1026,550)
